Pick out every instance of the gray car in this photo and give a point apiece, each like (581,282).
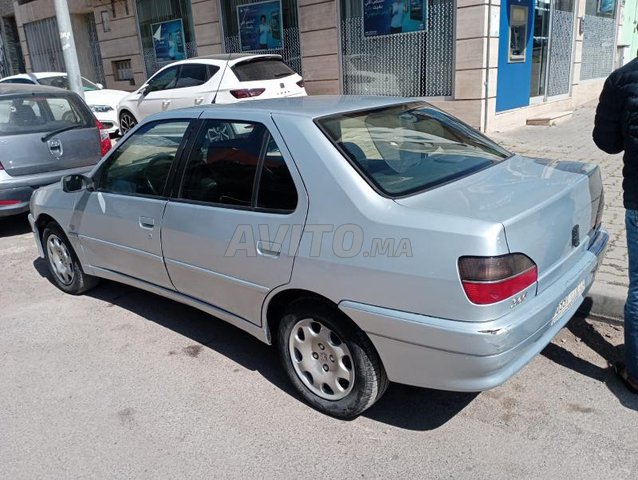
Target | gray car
(371,239)
(45,134)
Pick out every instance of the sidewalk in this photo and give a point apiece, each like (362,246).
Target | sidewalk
(571,140)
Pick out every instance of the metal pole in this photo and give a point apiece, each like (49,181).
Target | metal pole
(68,46)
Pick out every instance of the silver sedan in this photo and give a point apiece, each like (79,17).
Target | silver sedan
(370,239)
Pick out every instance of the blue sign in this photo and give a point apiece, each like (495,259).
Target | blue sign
(388,17)
(260,26)
(168,41)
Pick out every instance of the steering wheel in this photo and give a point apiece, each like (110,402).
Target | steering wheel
(157,171)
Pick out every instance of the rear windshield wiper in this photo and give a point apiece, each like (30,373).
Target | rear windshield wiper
(46,136)
(283,74)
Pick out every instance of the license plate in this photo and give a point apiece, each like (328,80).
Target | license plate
(568,301)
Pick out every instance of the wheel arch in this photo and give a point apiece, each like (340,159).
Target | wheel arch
(276,305)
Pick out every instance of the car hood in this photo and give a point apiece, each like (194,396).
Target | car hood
(105,97)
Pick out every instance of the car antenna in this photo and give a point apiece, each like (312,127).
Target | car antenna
(222,79)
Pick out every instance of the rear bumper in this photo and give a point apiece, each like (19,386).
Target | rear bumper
(475,356)
(109,120)
(21,195)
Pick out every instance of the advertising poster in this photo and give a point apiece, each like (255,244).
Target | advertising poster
(260,26)
(606,7)
(168,41)
(388,17)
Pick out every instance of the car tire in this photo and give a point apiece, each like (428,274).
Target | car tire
(330,361)
(64,266)
(127,121)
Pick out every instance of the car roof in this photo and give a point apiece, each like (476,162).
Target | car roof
(24,89)
(312,106)
(231,58)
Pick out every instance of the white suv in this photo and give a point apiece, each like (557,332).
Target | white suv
(224,78)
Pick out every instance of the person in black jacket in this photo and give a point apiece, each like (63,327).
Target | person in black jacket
(615,130)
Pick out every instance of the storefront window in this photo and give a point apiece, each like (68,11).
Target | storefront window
(263,26)
(397,47)
(599,30)
(166,30)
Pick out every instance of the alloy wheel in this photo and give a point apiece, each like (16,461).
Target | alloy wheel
(321,360)
(60,260)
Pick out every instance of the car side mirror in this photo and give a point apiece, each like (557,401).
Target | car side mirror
(146,89)
(76,183)
(100,86)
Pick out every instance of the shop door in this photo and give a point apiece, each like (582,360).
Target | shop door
(552,49)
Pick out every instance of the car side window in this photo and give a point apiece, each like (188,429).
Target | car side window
(222,166)
(141,165)
(277,189)
(194,74)
(164,80)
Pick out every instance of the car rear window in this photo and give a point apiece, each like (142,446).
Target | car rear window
(407,148)
(24,114)
(261,69)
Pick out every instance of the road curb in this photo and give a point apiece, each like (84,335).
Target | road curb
(605,302)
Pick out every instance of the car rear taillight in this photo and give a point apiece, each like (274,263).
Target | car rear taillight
(6,203)
(488,280)
(105,138)
(300,83)
(247,92)
(1,166)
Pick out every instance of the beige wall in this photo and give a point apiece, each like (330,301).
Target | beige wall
(121,43)
(207,29)
(319,46)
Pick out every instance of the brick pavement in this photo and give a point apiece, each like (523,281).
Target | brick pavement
(571,140)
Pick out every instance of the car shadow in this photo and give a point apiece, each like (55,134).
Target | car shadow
(402,406)
(14,225)
(596,342)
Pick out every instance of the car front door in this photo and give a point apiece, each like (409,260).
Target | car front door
(120,220)
(196,85)
(231,234)
(157,95)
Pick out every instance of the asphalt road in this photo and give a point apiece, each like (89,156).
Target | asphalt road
(124,384)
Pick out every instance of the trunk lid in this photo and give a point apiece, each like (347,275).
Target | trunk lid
(547,208)
(270,73)
(28,155)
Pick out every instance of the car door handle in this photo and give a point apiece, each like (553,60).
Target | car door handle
(166,103)
(199,100)
(268,249)
(147,223)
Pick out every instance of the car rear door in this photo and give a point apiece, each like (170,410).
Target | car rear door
(230,235)
(29,143)
(120,221)
(196,85)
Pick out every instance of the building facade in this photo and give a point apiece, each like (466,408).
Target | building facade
(493,63)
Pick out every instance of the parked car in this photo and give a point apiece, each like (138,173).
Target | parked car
(227,78)
(45,133)
(102,101)
(371,239)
